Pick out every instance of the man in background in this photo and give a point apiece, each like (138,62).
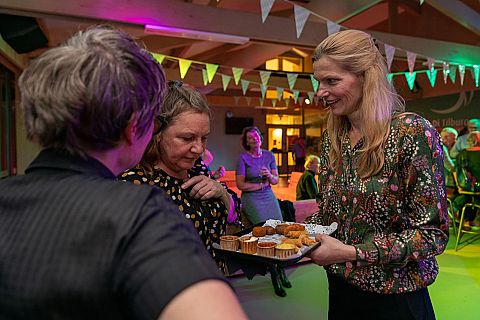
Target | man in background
(461,143)
(449,136)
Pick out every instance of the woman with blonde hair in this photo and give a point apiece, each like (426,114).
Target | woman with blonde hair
(381,178)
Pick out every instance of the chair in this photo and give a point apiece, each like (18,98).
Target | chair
(460,228)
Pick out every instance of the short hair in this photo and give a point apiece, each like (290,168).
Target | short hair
(244,136)
(356,52)
(473,139)
(83,94)
(179,98)
(309,159)
(450,130)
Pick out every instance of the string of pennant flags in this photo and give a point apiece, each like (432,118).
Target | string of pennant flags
(301,14)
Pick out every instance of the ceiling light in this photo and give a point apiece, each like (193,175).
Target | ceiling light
(194,34)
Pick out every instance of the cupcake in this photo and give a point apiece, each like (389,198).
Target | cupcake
(229,243)
(285,250)
(266,249)
(248,244)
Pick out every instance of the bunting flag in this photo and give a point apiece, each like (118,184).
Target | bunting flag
(159,57)
(292,78)
(263,89)
(452,72)
(301,16)
(245,84)
(410,78)
(266,6)
(274,103)
(430,63)
(211,70)
(411,56)
(389,53)
(264,76)
(236,99)
(184,66)
(204,77)
(296,93)
(445,70)
(287,102)
(248,99)
(390,77)
(476,72)
(279,93)
(225,81)
(300,100)
(461,71)
(432,75)
(314,83)
(421,2)
(237,73)
(261,101)
(311,95)
(332,27)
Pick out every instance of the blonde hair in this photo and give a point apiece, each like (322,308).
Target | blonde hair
(356,52)
(309,159)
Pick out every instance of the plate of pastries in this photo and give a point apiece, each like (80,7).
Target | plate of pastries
(276,239)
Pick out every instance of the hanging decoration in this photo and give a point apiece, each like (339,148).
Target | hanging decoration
(389,53)
(264,76)
(184,66)
(410,79)
(332,27)
(225,81)
(211,70)
(292,78)
(461,72)
(301,16)
(237,73)
(266,6)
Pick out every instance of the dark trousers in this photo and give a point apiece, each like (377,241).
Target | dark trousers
(348,302)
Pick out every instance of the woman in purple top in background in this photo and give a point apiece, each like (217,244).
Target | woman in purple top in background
(256,172)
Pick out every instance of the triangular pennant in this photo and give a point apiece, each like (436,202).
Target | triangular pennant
(204,77)
(430,63)
(279,93)
(292,78)
(287,102)
(248,99)
(263,89)
(300,100)
(432,75)
(264,76)
(261,101)
(301,16)
(421,2)
(225,81)
(245,84)
(159,57)
(314,83)
(390,77)
(452,72)
(274,103)
(236,99)
(389,53)
(266,6)
(237,73)
(184,66)
(476,73)
(445,70)
(296,93)
(211,70)
(410,78)
(332,27)
(311,95)
(411,56)
(461,71)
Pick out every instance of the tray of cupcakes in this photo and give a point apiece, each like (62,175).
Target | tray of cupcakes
(274,241)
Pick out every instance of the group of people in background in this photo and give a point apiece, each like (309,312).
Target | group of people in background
(141,246)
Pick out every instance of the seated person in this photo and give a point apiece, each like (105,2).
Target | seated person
(449,136)
(307,187)
(180,138)
(75,243)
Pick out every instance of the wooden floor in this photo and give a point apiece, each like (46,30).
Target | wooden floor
(455,294)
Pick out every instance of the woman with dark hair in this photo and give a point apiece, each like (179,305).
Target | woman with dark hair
(256,172)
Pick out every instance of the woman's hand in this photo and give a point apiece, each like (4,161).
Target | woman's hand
(332,251)
(204,188)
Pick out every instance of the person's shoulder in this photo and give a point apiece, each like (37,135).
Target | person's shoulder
(412,123)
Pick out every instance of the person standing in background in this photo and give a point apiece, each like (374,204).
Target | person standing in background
(461,143)
(299,152)
(449,136)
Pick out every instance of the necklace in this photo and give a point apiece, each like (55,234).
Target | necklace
(256,155)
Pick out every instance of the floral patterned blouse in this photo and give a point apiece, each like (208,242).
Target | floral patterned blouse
(396,220)
(208,217)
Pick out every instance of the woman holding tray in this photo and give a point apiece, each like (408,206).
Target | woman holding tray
(381,178)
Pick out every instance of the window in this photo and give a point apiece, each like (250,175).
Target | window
(287,64)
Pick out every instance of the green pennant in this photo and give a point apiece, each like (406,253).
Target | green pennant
(225,81)
(292,78)
(410,78)
(314,83)
(390,77)
(453,72)
(159,57)
(311,95)
(264,76)
(274,103)
(184,66)
(296,93)
(211,70)
(248,99)
(264,90)
(432,76)
(261,101)
(279,93)
(237,73)
(287,102)
(245,84)
(205,77)
(476,73)
(461,71)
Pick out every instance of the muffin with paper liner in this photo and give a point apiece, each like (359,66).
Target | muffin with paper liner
(248,244)
(229,243)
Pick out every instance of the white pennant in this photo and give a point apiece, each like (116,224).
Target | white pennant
(266,6)
(461,71)
(332,27)
(430,63)
(249,99)
(446,70)
(411,56)
(301,16)
(389,53)
(236,99)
